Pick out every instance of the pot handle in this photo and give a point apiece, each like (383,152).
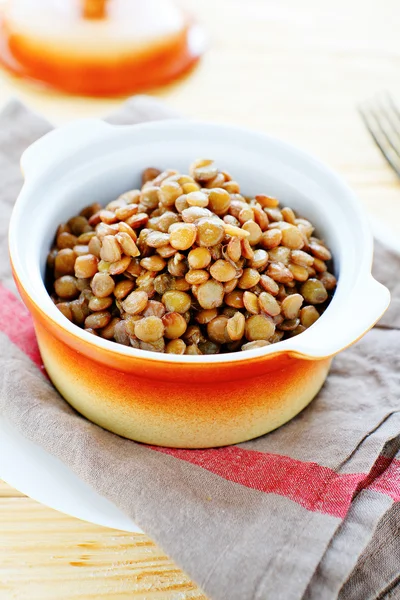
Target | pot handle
(365,307)
(60,143)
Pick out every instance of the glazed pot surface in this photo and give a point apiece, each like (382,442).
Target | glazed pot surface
(197,410)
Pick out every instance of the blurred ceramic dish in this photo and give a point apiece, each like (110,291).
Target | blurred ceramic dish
(187,401)
(131,46)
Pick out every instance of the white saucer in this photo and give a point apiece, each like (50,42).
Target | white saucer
(36,473)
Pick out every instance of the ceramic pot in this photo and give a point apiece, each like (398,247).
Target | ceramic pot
(187,401)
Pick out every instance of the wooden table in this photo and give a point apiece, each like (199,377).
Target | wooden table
(293,69)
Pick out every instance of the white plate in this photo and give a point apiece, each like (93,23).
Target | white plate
(36,473)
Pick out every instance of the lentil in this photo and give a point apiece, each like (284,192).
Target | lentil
(194,213)
(281,255)
(135,303)
(289,324)
(210,294)
(209,347)
(269,304)
(169,191)
(254,230)
(313,291)
(278,272)
(193,335)
(149,329)
(291,306)
(97,320)
(100,304)
(166,220)
(288,215)
(175,347)
(249,279)
(110,249)
(217,329)
(267,201)
(120,333)
(222,270)
(269,285)
(271,239)
(259,260)
(292,238)
(118,267)
(166,251)
(65,287)
(299,257)
(234,250)
(154,309)
(64,262)
(251,303)
(123,288)
(235,326)
(219,200)
(196,276)
(308,316)
(156,239)
(66,240)
(174,325)
(328,280)
(127,244)
(246,249)
(260,217)
(199,258)
(205,316)
(319,265)
(182,235)
(192,349)
(182,285)
(197,199)
(181,203)
(102,285)
(235,299)
(258,327)
(229,286)
(233,230)
(65,308)
(299,273)
(254,345)
(176,301)
(153,263)
(274,214)
(210,231)
(108,331)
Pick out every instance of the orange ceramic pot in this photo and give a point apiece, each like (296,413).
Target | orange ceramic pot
(186,401)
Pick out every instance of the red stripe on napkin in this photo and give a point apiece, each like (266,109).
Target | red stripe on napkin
(16,323)
(319,489)
(388,482)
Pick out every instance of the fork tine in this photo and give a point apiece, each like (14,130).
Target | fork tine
(390,135)
(367,122)
(393,105)
(391,114)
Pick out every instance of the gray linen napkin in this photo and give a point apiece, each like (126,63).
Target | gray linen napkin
(286,516)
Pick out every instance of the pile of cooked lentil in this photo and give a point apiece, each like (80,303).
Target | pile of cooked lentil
(189,265)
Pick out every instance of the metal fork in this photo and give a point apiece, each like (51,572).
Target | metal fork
(381,116)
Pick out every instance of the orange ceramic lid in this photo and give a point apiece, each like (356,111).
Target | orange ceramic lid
(98,47)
